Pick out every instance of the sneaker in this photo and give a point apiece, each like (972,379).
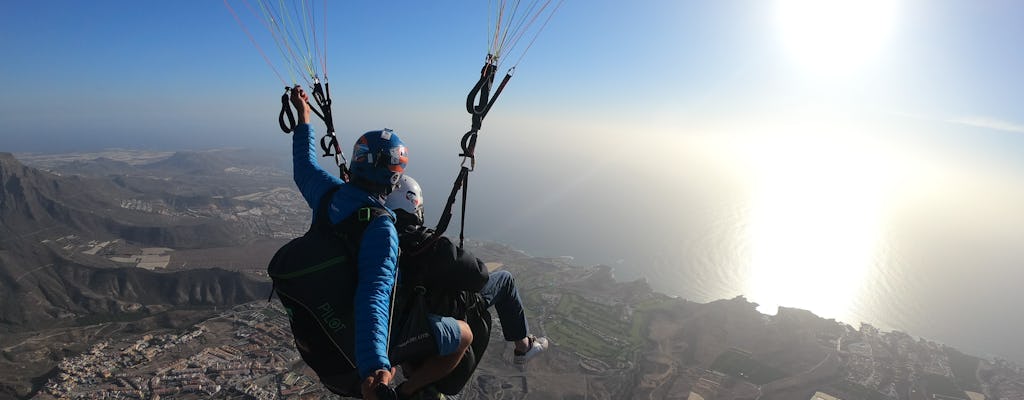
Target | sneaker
(537,345)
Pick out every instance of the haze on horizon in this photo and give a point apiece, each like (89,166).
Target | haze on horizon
(858,159)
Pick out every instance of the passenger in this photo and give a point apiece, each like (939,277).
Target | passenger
(498,289)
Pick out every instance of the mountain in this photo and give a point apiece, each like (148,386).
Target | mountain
(101,166)
(46,279)
(62,292)
(76,231)
(213,162)
(32,200)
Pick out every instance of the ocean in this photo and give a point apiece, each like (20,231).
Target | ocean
(933,249)
(965,292)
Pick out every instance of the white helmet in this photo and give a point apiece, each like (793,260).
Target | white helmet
(407,197)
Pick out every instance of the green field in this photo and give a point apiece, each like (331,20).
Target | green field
(587,327)
(583,340)
(643,312)
(596,315)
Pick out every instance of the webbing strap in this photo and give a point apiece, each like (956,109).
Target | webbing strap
(446,215)
(461,182)
(479,95)
(364,214)
(478,103)
(462,220)
(321,218)
(322,96)
(329,144)
(286,112)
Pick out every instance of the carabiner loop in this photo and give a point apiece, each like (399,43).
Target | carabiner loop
(286,112)
(469,149)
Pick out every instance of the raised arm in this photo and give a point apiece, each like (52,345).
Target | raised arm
(312,180)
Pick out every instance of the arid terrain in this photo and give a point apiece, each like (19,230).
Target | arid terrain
(137,275)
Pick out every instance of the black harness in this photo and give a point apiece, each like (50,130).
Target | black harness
(315,277)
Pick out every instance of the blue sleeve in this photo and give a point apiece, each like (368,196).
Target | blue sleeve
(378,260)
(312,180)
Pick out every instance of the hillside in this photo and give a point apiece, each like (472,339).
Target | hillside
(33,202)
(105,283)
(74,240)
(609,340)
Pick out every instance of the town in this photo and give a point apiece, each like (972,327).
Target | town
(247,350)
(619,339)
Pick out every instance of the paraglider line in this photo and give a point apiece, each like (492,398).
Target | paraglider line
(269,21)
(253,40)
(544,25)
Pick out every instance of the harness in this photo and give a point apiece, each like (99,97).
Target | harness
(315,278)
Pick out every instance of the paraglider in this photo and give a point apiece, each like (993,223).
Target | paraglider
(295,29)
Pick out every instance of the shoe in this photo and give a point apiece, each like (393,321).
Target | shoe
(536,346)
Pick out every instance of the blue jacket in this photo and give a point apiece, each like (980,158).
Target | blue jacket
(378,254)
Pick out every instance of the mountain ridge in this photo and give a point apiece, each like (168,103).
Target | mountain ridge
(43,283)
(30,198)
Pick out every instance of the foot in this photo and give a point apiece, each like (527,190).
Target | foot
(535,346)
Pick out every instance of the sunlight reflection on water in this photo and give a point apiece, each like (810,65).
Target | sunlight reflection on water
(929,249)
(879,228)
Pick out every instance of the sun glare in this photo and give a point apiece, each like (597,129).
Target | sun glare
(815,223)
(834,37)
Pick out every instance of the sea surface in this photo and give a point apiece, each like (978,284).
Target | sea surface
(964,294)
(967,295)
(931,246)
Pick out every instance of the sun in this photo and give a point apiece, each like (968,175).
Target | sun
(834,37)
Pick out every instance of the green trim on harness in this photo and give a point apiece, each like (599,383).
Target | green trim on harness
(321,266)
(364,214)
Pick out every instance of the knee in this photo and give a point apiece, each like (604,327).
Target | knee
(503,280)
(502,276)
(465,336)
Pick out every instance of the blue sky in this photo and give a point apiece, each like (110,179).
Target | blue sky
(107,70)
(797,124)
